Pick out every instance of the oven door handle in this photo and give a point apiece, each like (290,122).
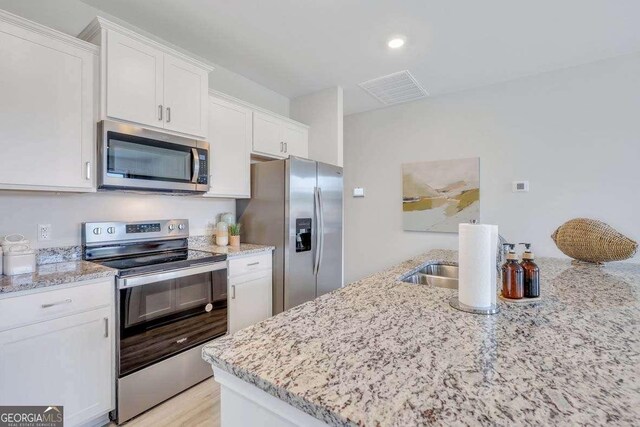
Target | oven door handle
(130,282)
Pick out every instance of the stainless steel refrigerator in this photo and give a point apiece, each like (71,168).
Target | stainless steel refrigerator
(296,206)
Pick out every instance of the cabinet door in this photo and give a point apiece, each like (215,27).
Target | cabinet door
(66,361)
(134,81)
(185,97)
(230,136)
(47,114)
(267,135)
(296,141)
(249,300)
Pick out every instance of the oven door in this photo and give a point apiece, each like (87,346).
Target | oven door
(163,314)
(134,158)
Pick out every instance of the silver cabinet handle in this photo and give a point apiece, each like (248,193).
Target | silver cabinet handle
(88,171)
(160,112)
(253,263)
(168,114)
(106,327)
(286,149)
(233,291)
(51,304)
(281,147)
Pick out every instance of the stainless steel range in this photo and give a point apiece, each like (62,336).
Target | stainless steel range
(169,301)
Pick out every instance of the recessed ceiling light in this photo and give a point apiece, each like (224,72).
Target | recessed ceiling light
(396,42)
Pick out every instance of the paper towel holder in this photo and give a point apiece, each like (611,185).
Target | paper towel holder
(455,303)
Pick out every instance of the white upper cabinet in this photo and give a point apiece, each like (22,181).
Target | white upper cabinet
(47,100)
(148,83)
(229,140)
(134,81)
(277,137)
(185,97)
(267,135)
(296,140)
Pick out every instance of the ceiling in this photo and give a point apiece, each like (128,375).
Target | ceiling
(295,47)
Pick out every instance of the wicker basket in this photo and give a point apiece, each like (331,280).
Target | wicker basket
(593,241)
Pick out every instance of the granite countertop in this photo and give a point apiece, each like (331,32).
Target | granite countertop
(380,352)
(231,251)
(53,274)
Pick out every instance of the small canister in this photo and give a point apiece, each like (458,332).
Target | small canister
(19,259)
(222,234)
(14,240)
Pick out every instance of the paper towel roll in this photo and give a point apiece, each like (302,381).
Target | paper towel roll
(477,265)
(494,262)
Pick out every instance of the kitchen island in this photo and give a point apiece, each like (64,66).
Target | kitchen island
(381,352)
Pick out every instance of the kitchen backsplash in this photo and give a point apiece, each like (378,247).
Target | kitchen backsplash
(22,212)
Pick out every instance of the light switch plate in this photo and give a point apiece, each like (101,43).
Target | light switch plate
(520,186)
(358,192)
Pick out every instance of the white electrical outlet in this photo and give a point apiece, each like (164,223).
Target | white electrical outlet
(358,192)
(44,232)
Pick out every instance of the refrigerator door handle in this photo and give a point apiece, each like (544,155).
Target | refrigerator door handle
(316,209)
(321,234)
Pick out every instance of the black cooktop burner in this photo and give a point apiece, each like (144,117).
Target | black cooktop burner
(150,262)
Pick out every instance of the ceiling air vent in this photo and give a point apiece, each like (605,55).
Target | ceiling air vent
(395,88)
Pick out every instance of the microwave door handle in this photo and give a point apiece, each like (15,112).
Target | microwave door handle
(196,165)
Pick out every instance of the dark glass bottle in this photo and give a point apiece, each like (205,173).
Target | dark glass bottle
(512,276)
(531,273)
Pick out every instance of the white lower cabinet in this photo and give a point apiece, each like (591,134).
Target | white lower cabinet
(66,360)
(250,291)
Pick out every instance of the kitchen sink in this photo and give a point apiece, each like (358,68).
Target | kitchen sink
(435,274)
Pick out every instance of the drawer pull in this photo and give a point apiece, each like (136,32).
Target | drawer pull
(67,301)
(106,327)
(233,291)
(253,263)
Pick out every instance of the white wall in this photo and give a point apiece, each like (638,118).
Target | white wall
(574,134)
(21,212)
(72,16)
(322,111)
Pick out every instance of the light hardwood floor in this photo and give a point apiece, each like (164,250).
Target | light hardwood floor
(198,407)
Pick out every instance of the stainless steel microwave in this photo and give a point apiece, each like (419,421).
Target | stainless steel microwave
(132,158)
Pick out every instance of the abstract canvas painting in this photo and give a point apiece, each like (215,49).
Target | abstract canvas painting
(438,195)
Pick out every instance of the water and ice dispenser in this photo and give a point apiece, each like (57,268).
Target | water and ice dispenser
(303,234)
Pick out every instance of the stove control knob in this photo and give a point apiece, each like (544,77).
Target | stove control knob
(97,231)
(111,230)
(181,227)
(172,227)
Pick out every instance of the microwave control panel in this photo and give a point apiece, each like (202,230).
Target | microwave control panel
(203,175)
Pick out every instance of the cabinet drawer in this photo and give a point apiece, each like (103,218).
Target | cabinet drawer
(249,264)
(32,308)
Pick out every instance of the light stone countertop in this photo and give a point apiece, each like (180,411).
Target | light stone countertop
(380,352)
(231,251)
(54,274)
(60,266)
